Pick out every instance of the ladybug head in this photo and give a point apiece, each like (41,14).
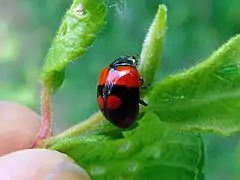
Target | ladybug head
(125,61)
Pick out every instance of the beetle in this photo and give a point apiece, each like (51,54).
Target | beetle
(118,92)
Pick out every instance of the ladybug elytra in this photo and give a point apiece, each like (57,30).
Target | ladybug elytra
(118,92)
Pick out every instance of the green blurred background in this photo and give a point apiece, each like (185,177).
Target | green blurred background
(195,29)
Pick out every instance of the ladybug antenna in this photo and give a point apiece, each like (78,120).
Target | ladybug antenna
(136,58)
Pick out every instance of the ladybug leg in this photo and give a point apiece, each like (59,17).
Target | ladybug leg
(141,84)
(145,87)
(142,102)
(141,81)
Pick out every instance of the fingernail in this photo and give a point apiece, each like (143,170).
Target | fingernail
(68,170)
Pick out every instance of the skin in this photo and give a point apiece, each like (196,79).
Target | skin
(18,128)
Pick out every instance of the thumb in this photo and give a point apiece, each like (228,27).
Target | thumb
(40,164)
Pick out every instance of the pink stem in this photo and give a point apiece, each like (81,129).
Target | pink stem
(45,130)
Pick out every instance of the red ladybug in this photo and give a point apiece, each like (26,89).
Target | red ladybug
(118,92)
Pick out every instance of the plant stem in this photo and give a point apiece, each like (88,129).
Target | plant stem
(78,129)
(45,130)
(152,47)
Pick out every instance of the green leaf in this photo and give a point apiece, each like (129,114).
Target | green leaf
(152,47)
(205,98)
(152,150)
(77,32)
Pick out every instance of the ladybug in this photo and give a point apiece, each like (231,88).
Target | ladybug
(118,92)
